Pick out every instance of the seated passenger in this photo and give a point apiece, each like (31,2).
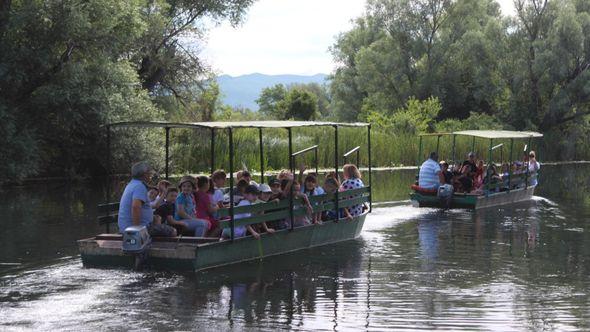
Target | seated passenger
(446,173)
(163,186)
(352,180)
(134,208)
(492,179)
(250,196)
(239,190)
(167,209)
(264,194)
(285,194)
(275,186)
(331,186)
(205,210)
(185,212)
(430,175)
(478,178)
(469,166)
(248,177)
(219,178)
(153,197)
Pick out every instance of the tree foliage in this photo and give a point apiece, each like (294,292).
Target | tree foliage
(530,71)
(68,67)
(297,101)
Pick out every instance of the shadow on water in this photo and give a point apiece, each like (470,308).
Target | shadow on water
(518,267)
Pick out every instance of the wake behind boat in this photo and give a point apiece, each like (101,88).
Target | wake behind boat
(470,184)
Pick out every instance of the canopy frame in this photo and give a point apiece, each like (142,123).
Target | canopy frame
(230,127)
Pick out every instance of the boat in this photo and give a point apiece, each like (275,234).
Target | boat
(517,188)
(184,253)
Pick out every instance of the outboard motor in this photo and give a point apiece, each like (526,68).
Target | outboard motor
(137,242)
(445,194)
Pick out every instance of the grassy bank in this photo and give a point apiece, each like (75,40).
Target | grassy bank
(190,150)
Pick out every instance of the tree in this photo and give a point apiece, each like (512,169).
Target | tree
(300,105)
(270,101)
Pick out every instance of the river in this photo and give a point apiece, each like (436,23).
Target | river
(519,267)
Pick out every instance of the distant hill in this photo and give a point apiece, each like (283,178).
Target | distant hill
(242,91)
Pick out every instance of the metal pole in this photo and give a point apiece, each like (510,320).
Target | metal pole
(437,143)
(526,185)
(358,157)
(212,150)
(454,151)
(336,169)
(108,172)
(369,156)
(419,153)
(231,181)
(291,214)
(316,162)
(108,166)
(167,152)
(510,164)
(261,155)
(489,166)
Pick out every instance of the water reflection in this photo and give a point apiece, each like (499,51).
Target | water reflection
(519,267)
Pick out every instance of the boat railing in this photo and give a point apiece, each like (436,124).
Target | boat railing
(107,214)
(358,155)
(280,210)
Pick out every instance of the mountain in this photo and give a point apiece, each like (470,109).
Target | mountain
(242,91)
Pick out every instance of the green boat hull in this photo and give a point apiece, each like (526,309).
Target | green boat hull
(461,201)
(200,256)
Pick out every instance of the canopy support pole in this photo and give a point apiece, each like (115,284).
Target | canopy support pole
(108,173)
(166,169)
(418,159)
(316,159)
(261,155)
(510,165)
(336,170)
(231,180)
(454,151)
(526,182)
(437,143)
(212,150)
(292,168)
(489,167)
(369,157)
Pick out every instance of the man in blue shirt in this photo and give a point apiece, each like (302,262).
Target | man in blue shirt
(430,176)
(134,207)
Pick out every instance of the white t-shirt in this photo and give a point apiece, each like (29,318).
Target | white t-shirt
(217,197)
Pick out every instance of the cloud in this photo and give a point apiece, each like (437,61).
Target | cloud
(285,37)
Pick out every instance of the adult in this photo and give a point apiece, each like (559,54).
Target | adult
(430,175)
(352,180)
(134,207)
(534,167)
(448,175)
(469,166)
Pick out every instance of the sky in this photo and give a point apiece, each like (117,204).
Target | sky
(285,37)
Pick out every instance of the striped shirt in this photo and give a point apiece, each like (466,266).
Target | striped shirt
(428,176)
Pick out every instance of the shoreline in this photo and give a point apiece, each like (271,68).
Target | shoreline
(58,179)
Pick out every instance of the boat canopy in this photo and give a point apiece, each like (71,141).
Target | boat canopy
(233,124)
(491,134)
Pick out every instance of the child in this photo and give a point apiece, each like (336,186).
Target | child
(204,209)
(275,186)
(153,197)
(310,188)
(162,188)
(239,190)
(264,197)
(185,212)
(218,178)
(167,208)
(285,193)
(331,185)
(250,196)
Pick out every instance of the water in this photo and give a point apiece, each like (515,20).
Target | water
(520,267)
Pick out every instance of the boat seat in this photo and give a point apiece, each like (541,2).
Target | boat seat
(183,239)
(424,191)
